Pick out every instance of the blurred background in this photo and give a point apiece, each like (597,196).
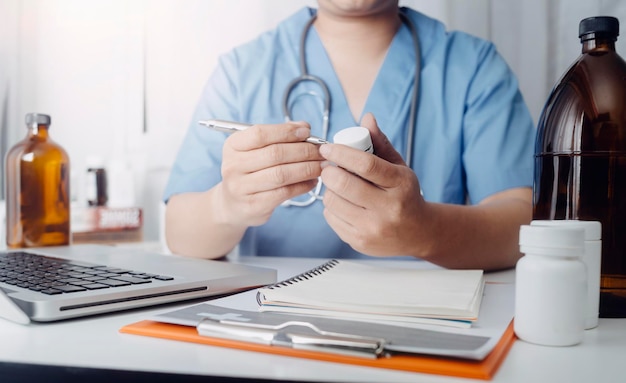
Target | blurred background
(120,78)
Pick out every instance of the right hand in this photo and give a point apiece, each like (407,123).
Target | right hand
(263,166)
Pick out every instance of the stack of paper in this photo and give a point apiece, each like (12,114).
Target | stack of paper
(355,291)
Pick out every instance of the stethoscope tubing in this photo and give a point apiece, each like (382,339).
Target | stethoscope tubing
(305,76)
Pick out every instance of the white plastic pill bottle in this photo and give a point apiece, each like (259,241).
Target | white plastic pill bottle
(550,286)
(592,258)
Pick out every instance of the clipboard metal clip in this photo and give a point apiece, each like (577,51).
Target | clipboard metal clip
(294,334)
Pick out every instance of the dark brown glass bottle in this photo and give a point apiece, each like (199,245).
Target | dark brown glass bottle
(38,203)
(97,186)
(580,153)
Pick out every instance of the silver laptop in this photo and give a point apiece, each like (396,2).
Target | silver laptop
(54,283)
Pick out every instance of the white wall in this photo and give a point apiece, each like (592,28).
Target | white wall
(120,78)
(8,76)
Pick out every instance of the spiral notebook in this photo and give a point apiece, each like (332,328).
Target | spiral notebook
(358,291)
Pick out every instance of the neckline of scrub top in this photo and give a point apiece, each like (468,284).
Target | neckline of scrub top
(398,66)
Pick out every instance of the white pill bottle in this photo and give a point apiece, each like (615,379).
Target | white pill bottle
(592,258)
(356,137)
(550,286)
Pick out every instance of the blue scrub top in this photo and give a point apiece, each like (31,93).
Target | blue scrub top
(474,135)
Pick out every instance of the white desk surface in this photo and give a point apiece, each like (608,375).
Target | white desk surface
(95,342)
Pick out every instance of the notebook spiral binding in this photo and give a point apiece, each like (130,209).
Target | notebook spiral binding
(303,276)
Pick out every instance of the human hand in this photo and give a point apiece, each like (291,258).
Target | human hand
(373,202)
(263,166)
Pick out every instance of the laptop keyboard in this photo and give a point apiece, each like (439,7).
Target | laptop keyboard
(54,276)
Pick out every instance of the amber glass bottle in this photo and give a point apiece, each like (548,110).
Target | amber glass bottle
(37,198)
(580,153)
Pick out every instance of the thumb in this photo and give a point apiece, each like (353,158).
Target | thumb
(382,146)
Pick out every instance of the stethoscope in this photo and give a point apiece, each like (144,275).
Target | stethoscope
(316,193)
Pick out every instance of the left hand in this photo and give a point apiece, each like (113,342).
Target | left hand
(373,202)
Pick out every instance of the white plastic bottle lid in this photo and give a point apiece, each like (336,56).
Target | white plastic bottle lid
(356,137)
(555,241)
(593,229)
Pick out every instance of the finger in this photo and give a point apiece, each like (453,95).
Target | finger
(277,154)
(272,155)
(259,136)
(335,217)
(382,146)
(367,166)
(352,188)
(344,230)
(259,206)
(342,207)
(280,176)
(277,196)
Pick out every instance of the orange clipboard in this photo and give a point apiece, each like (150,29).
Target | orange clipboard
(484,369)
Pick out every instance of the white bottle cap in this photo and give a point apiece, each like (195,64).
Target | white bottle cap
(593,229)
(552,240)
(356,137)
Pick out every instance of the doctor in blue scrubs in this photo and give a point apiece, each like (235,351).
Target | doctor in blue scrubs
(450,181)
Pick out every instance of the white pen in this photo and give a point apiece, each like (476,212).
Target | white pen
(232,127)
